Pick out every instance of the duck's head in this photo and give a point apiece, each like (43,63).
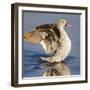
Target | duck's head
(63,23)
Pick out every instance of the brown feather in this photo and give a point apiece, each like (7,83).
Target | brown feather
(49,26)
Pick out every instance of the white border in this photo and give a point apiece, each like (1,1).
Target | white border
(82,52)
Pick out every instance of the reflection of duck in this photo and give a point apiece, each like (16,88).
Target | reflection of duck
(56,69)
(53,38)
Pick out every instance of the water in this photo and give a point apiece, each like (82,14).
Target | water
(34,67)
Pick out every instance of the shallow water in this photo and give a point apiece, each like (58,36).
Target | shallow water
(34,67)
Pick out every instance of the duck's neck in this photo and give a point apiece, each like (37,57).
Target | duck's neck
(61,29)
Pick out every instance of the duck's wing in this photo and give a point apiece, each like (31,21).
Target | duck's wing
(45,26)
(56,30)
(49,27)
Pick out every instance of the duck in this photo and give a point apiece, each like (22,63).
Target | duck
(53,38)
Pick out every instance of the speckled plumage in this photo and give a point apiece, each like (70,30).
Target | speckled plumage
(53,38)
(64,44)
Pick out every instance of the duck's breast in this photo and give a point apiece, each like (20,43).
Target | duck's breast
(65,46)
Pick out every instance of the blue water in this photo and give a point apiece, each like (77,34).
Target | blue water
(33,65)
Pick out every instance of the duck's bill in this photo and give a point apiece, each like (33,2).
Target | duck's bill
(68,25)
